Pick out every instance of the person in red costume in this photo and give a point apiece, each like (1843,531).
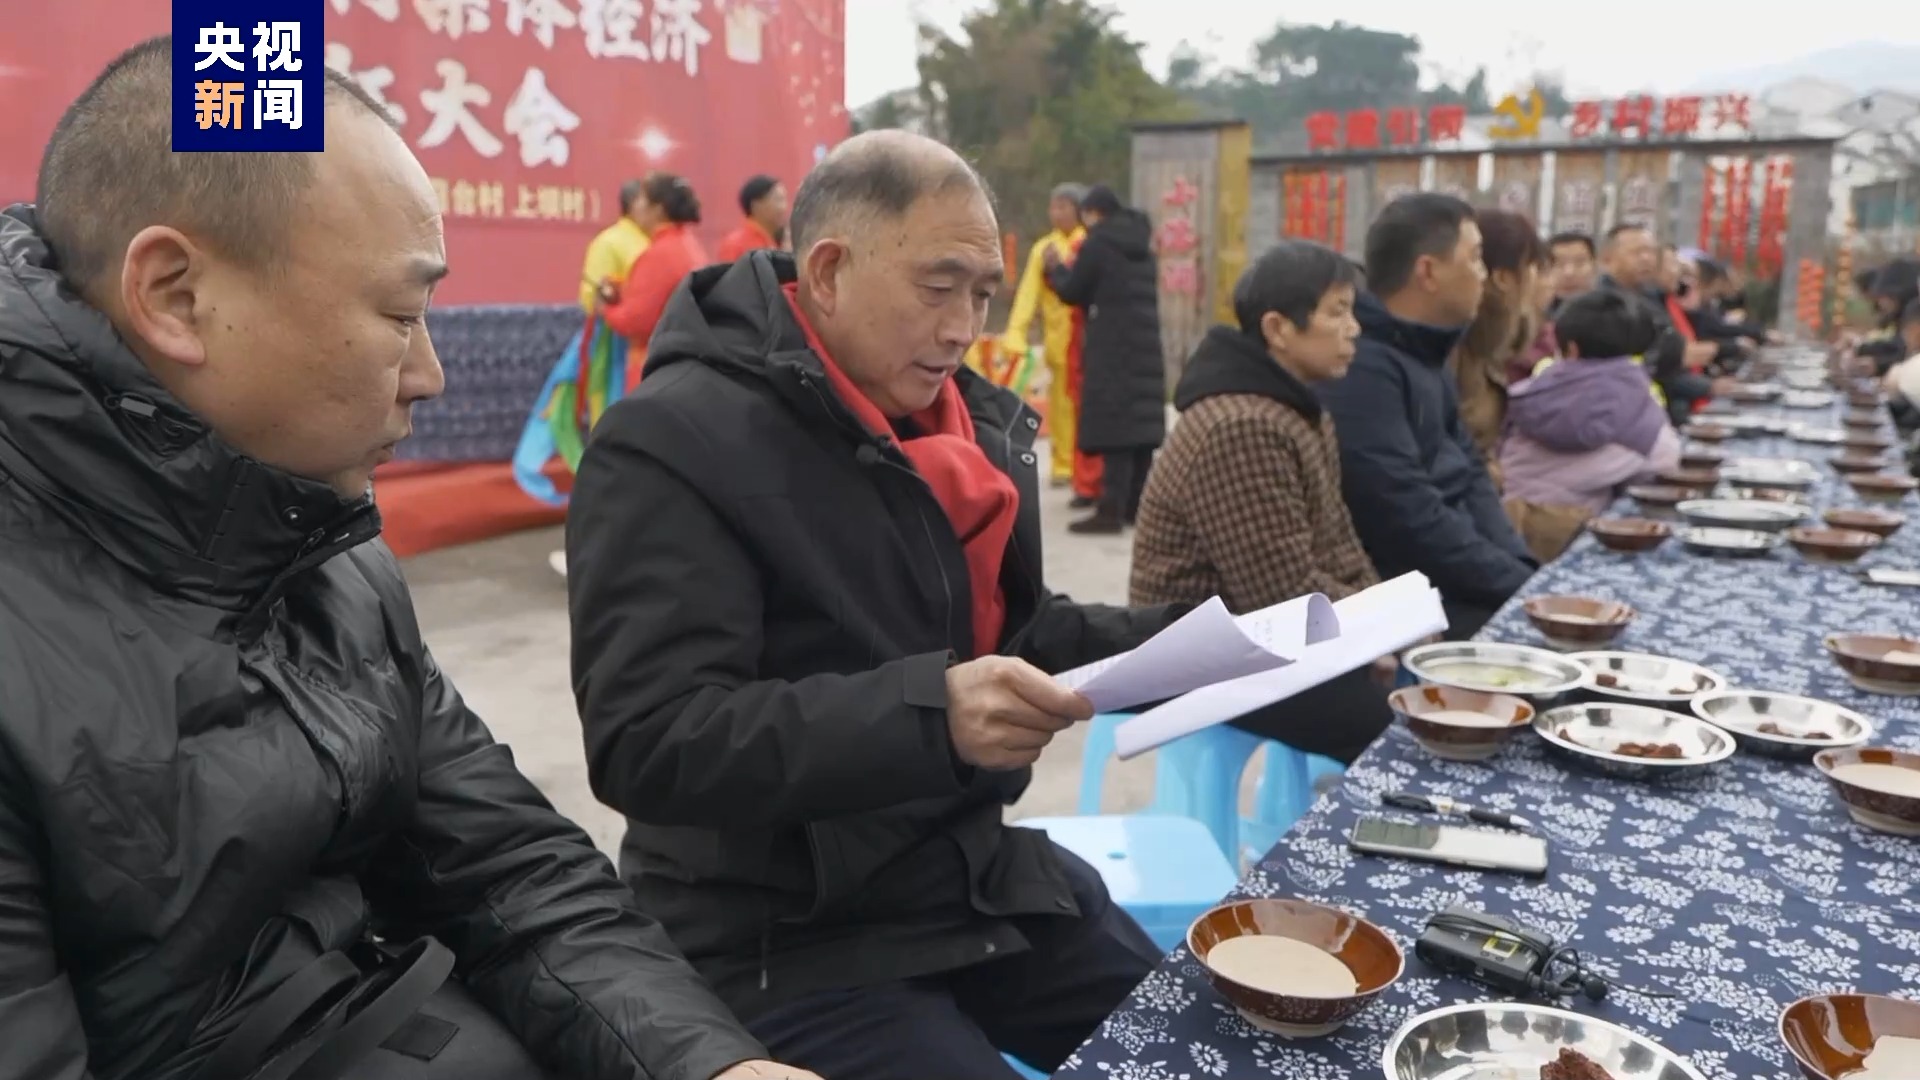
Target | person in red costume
(668,210)
(763,224)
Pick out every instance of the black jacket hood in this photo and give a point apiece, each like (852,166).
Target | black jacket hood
(87,429)
(1129,230)
(1427,344)
(1227,361)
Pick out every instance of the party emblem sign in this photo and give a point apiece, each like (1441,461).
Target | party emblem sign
(248,75)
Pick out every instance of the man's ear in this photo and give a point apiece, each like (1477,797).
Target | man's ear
(159,294)
(819,271)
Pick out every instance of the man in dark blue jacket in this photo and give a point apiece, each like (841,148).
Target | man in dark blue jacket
(1419,493)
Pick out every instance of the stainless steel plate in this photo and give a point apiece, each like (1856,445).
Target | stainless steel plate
(1765,516)
(1805,434)
(1535,674)
(1770,472)
(1796,720)
(1593,734)
(1721,541)
(1804,394)
(1645,679)
(1511,1040)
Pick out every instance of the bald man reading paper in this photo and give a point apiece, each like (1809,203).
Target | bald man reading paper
(811,643)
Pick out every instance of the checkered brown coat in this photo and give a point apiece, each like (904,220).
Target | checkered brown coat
(1244,502)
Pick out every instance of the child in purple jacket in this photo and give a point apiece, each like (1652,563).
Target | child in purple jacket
(1587,425)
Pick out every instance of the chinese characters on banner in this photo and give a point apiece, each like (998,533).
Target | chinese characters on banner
(247,80)
(1177,242)
(1579,183)
(1642,190)
(1314,206)
(1377,129)
(528,115)
(1519,119)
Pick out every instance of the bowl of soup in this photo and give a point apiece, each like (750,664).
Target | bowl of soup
(1878,663)
(1888,488)
(1460,725)
(1879,786)
(1293,968)
(1853,1036)
(1577,622)
(1538,675)
(1881,523)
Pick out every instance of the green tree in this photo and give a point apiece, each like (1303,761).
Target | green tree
(1036,92)
(1298,70)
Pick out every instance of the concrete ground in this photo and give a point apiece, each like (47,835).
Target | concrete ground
(495,615)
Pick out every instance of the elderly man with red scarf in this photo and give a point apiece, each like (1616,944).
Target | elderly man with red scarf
(811,645)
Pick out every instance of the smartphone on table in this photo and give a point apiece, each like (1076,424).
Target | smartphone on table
(1455,845)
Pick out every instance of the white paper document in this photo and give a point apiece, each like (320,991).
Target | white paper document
(1384,619)
(1205,646)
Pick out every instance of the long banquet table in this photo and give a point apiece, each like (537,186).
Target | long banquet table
(1742,890)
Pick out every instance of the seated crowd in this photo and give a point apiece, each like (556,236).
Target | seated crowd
(250,831)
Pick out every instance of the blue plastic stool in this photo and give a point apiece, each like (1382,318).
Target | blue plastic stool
(1022,1068)
(1163,870)
(1196,777)
(1284,796)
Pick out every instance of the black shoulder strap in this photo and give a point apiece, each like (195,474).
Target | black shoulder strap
(424,967)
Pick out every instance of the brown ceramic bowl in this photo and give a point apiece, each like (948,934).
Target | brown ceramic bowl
(1861,421)
(1708,432)
(1878,663)
(1578,622)
(1366,949)
(1460,725)
(1629,534)
(1863,443)
(1858,463)
(1831,545)
(1659,499)
(1702,459)
(1874,807)
(1886,488)
(1830,1035)
(1881,523)
(1698,482)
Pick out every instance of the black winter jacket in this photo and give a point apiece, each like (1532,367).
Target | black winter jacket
(224,750)
(765,600)
(1115,278)
(1418,490)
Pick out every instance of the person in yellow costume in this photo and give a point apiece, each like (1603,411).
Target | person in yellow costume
(1035,297)
(611,253)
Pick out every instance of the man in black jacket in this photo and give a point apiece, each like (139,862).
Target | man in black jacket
(1633,262)
(1418,490)
(227,760)
(1114,279)
(778,549)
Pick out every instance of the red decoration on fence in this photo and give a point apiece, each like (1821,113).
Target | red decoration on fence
(1363,129)
(1403,126)
(1633,114)
(1680,116)
(1323,131)
(1588,117)
(1445,123)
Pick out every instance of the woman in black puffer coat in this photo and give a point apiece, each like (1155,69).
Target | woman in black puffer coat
(1114,279)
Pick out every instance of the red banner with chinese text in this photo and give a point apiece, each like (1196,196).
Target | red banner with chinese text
(527,114)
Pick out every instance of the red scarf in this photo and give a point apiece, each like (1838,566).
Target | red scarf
(980,501)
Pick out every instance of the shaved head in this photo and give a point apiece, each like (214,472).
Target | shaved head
(109,171)
(874,179)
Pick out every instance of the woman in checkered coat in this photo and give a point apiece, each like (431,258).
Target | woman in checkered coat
(1244,499)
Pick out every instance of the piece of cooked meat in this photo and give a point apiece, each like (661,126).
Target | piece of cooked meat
(1573,1065)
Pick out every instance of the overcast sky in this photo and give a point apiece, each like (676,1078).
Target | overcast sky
(1608,48)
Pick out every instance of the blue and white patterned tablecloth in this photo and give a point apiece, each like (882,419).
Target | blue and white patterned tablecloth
(1743,890)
